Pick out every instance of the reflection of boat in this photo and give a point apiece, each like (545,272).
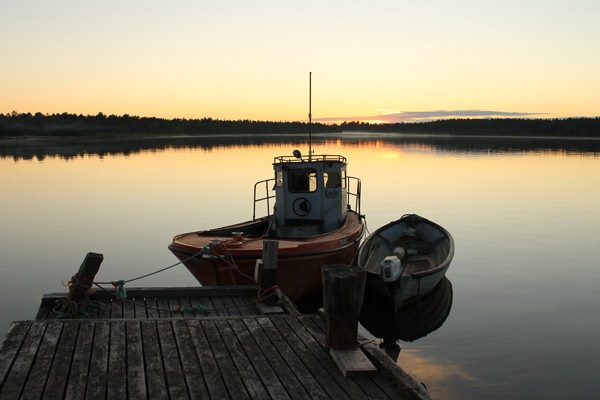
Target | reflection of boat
(405,258)
(312,221)
(413,320)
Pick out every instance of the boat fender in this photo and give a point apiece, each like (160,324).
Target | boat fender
(391,268)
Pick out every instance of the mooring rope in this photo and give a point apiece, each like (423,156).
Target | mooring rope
(232,265)
(228,259)
(69,307)
(124,281)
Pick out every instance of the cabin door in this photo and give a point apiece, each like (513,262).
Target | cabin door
(303,199)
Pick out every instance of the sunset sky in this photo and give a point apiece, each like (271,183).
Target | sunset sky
(373,61)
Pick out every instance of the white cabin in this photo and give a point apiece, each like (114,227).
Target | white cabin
(311,194)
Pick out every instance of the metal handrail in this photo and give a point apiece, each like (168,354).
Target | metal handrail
(356,194)
(353,185)
(317,157)
(266,198)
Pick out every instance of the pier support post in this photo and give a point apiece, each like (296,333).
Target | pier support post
(266,272)
(82,281)
(343,291)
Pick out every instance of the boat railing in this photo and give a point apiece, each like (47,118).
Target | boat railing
(353,185)
(269,194)
(314,157)
(354,191)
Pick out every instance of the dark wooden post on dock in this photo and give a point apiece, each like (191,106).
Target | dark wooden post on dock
(82,281)
(343,291)
(266,274)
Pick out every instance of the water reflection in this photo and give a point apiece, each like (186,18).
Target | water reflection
(67,148)
(414,320)
(485,144)
(520,327)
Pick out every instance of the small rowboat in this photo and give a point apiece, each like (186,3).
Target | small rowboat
(404,259)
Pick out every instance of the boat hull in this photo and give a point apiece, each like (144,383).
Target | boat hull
(407,287)
(232,261)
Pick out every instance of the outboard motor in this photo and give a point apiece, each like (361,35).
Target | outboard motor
(391,266)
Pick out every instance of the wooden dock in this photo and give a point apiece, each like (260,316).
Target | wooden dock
(161,345)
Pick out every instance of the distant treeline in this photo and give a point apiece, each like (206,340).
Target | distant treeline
(65,124)
(567,127)
(38,124)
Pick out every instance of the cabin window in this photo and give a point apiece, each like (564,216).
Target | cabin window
(343,178)
(332,180)
(279,179)
(302,180)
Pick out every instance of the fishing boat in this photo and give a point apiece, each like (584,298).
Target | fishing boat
(312,211)
(313,223)
(405,259)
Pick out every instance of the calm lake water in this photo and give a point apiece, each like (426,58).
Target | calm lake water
(525,216)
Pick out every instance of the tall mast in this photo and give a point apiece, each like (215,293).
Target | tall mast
(310,116)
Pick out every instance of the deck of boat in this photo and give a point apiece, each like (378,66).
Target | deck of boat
(415,264)
(151,350)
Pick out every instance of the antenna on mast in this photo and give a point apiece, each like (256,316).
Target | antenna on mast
(310,116)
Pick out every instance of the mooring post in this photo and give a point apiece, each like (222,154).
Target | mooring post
(343,291)
(266,274)
(82,281)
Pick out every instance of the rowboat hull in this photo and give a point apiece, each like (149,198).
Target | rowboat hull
(227,257)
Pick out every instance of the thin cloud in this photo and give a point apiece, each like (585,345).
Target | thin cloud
(421,116)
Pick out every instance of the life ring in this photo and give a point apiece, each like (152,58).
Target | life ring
(301,206)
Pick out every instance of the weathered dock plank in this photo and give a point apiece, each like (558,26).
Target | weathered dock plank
(81,361)
(61,365)
(22,352)
(43,362)
(190,363)
(293,374)
(10,345)
(244,367)
(315,328)
(136,368)
(150,309)
(268,366)
(171,357)
(155,374)
(117,373)
(98,375)
(116,309)
(210,371)
(316,359)
(233,382)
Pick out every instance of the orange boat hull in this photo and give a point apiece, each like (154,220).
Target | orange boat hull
(232,261)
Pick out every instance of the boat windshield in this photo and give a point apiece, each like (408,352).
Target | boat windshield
(302,180)
(332,180)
